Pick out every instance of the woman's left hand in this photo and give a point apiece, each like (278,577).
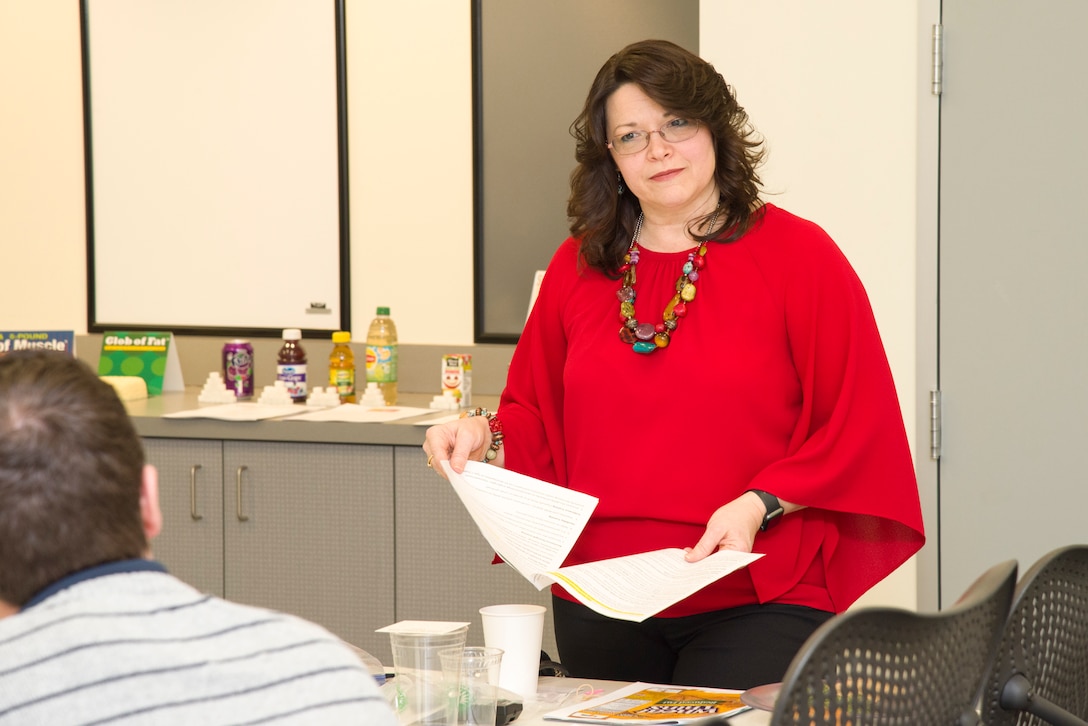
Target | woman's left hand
(731,527)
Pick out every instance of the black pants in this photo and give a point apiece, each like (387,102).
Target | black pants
(735,648)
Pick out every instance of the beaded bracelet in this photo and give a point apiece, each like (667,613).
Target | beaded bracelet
(495,425)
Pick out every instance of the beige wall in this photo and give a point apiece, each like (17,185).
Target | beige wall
(411,197)
(839,89)
(42,227)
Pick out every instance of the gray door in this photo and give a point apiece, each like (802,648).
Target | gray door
(1013,292)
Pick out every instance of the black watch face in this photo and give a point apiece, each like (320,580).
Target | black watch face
(772,517)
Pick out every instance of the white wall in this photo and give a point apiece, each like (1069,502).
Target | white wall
(411,197)
(837,88)
(42,227)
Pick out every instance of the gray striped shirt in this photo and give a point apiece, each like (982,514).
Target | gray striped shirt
(145,648)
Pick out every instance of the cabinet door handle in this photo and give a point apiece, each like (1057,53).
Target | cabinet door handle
(238,495)
(192,494)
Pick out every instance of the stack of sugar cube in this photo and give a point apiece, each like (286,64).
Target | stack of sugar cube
(372,396)
(215,390)
(321,398)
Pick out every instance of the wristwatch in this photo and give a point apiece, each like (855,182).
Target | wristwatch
(773,506)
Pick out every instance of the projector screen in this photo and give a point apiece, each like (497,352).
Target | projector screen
(216,165)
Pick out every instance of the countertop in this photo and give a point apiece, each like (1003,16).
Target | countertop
(147,416)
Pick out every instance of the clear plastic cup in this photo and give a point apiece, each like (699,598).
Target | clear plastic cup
(421,693)
(472,683)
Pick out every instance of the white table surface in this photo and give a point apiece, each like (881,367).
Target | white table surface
(554,693)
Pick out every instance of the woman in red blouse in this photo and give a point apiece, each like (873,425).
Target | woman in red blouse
(708,366)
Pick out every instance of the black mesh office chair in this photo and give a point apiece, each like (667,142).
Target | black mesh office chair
(896,667)
(1040,671)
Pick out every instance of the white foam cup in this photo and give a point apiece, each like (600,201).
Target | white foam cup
(518,630)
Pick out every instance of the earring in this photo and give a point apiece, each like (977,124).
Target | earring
(620,188)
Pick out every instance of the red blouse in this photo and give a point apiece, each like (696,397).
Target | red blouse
(776,379)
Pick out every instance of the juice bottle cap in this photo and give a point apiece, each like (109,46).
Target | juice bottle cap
(383,311)
(292,334)
(341,336)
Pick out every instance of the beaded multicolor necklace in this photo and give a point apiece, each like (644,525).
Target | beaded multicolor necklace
(646,337)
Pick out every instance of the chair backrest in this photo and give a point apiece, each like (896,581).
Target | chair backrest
(1044,650)
(897,667)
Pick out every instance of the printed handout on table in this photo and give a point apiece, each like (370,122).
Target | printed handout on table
(241,411)
(651,703)
(354,413)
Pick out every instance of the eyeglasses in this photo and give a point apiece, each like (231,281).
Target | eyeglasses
(678,129)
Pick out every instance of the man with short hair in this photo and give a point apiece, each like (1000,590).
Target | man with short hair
(91,629)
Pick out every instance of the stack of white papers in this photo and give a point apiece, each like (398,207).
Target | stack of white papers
(347,412)
(247,411)
(354,413)
(532,525)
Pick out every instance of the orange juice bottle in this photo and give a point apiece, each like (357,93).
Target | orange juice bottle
(342,367)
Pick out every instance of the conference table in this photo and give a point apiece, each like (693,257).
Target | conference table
(554,693)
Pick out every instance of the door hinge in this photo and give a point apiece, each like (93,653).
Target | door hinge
(935,425)
(938,60)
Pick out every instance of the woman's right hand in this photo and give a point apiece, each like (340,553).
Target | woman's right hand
(457,441)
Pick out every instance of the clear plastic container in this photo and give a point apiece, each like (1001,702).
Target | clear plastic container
(381,355)
(421,694)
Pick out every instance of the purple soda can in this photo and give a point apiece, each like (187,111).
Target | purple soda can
(238,368)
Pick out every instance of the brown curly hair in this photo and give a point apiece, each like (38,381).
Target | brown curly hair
(689,87)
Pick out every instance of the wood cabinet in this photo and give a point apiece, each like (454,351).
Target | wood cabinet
(351,536)
(305,528)
(191,499)
(444,564)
